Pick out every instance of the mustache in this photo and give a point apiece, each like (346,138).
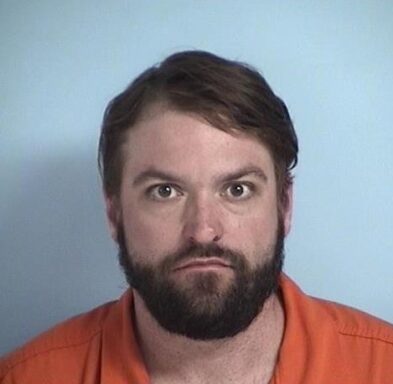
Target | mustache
(188,252)
(200,251)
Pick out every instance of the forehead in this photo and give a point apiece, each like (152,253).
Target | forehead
(185,143)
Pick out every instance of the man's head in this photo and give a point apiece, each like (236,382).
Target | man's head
(196,157)
(227,94)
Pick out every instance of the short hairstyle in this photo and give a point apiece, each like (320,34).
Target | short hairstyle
(227,94)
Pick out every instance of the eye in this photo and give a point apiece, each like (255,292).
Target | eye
(163,192)
(238,191)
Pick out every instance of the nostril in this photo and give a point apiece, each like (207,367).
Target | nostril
(216,238)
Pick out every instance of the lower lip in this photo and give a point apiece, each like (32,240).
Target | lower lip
(203,268)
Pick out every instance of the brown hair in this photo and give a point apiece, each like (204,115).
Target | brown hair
(229,95)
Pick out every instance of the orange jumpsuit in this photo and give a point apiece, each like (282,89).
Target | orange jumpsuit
(323,343)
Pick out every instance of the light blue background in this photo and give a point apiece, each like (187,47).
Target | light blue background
(62,61)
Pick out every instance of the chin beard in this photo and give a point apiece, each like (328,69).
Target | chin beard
(203,307)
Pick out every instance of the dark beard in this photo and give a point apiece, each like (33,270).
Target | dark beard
(203,311)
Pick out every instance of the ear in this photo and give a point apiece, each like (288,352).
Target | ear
(112,214)
(288,209)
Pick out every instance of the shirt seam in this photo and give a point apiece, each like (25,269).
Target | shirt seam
(376,338)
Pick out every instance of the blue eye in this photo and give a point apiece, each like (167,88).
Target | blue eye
(162,192)
(238,191)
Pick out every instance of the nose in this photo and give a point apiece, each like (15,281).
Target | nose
(202,221)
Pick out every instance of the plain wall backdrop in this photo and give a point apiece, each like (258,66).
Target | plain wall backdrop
(62,61)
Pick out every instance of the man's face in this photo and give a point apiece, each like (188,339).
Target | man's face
(197,224)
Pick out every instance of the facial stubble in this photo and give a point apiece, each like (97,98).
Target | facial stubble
(204,307)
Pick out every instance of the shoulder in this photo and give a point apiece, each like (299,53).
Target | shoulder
(344,321)
(70,338)
(353,323)
(332,343)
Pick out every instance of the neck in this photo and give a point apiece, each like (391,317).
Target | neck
(250,355)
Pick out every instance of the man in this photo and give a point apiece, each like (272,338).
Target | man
(196,158)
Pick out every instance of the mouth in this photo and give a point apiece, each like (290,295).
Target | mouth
(210,263)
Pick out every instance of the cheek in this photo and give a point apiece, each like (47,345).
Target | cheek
(259,228)
(149,235)
(255,232)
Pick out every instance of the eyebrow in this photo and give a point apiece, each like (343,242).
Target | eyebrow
(242,172)
(153,173)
